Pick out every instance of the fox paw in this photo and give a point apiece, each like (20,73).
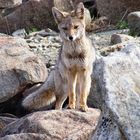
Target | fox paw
(84,108)
(71,106)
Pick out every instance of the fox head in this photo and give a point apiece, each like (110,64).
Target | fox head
(71,25)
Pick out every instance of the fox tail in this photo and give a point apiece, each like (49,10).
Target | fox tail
(42,97)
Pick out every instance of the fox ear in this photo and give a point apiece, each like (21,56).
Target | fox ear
(58,15)
(80,10)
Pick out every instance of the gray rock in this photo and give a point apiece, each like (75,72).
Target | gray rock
(116,10)
(9,3)
(19,67)
(19,33)
(119,38)
(107,129)
(134,22)
(53,125)
(26,136)
(47,32)
(4,121)
(117,79)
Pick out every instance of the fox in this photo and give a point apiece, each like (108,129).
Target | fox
(72,74)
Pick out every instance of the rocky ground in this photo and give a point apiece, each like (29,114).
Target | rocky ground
(28,55)
(114,73)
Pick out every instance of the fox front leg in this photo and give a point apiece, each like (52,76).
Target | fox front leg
(72,78)
(85,85)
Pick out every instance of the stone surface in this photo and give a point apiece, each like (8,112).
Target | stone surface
(4,121)
(47,47)
(134,23)
(119,38)
(19,67)
(111,8)
(117,81)
(107,129)
(32,15)
(99,24)
(64,5)
(20,33)
(26,136)
(9,3)
(102,39)
(55,124)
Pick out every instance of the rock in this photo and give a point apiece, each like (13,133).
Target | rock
(98,25)
(19,67)
(26,136)
(90,5)
(9,3)
(119,38)
(55,124)
(64,5)
(29,15)
(46,32)
(117,81)
(6,11)
(102,39)
(107,129)
(111,8)
(87,18)
(4,121)
(134,23)
(24,1)
(20,33)
(2,35)
(111,49)
(68,5)
(34,13)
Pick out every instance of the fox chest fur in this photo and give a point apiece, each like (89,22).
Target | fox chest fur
(78,54)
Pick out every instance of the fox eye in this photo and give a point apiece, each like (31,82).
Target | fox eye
(64,28)
(76,26)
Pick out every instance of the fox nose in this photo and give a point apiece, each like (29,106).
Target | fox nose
(70,38)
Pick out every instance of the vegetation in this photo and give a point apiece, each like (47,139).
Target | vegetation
(33,30)
(133,33)
(122,25)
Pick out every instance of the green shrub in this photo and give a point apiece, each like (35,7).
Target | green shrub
(33,30)
(122,25)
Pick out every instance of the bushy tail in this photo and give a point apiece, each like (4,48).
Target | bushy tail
(42,97)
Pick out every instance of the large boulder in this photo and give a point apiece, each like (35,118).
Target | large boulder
(31,14)
(134,23)
(116,10)
(107,128)
(117,81)
(19,67)
(55,124)
(9,3)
